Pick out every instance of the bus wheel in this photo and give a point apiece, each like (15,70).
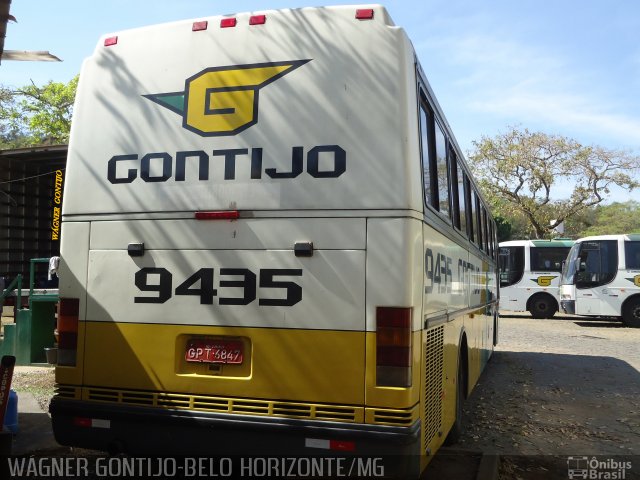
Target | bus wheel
(631,313)
(461,384)
(542,306)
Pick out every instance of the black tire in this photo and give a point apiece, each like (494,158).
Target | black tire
(461,387)
(631,313)
(542,306)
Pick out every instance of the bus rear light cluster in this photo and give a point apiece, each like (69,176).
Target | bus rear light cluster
(253,20)
(364,14)
(68,315)
(393,347)
(228,22)
(199,26)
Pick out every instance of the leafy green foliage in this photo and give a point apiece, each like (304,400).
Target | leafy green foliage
(547,179)
(614,218)
(33,115)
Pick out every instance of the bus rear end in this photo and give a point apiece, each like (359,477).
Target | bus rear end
(241,248)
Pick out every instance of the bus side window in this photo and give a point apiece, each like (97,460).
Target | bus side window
(632,255)
(477,223)
(598,263)
(455,184)
(485,231)
(427,166)
(442,171)
(469,207)
(491,236)
(462,197)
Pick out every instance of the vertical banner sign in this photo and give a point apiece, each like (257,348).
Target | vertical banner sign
(6,373)
(57,206)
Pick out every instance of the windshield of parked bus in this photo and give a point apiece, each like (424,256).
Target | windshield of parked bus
(511,265)
(569,268)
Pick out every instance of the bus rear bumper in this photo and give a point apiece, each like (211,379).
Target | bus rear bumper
(149,431)
(568,306)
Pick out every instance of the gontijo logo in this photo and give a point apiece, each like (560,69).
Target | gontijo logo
(544,280)
(223,100)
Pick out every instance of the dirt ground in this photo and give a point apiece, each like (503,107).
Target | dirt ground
(554,389)
(38,381)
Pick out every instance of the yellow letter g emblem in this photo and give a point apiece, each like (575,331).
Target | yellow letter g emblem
(223,100)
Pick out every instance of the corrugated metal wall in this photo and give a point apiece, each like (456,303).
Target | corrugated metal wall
(30,189)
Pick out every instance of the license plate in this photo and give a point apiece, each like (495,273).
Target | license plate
(214,351)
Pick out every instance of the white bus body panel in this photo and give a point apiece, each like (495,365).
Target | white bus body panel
(515,297)
(607,300)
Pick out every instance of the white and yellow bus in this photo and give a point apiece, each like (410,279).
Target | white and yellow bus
(271,244)
(601,277)
(530,275)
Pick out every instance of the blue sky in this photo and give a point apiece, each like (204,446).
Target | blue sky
(570,67)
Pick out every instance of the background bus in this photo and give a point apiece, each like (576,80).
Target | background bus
(602,278)
(530,275)
(308,272)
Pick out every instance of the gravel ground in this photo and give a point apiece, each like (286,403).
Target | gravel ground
(554,388)
(557,388)
(38,381)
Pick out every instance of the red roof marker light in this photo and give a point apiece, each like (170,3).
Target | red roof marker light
(222,215)
(110,41)
(228,22)
(257,19)
(198,26)
(364,14)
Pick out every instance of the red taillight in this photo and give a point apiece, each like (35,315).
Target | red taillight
(342,446)
(225,215)
(364,14)
(81,422)
(257,19)
(110,41)
(393,347)
(228,22)
(198,26)
(337,445)
(68,316)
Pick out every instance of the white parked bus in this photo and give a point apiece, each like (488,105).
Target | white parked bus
(530,275)
(271,244)
(602,278)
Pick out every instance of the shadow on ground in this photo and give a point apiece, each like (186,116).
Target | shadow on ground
(541,408)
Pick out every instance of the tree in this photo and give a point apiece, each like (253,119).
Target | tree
(613,219)
(33,115)
(526,172)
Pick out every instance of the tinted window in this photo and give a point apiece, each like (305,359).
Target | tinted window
(511,261)
(597,263)
(426,165)
(469,204)
(491,238)
(442,171)
(632,255)
(455,197)
(476,220)
(548,259)
(569,270)
(485,231)
(462,195)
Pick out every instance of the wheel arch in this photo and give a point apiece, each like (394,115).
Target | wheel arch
(540,294)
(630,298)
(463,359)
